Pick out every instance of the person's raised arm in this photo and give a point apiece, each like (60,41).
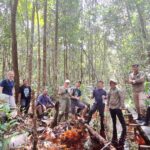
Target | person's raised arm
(108,98)
(130,79)
(50,101)
(142,78)
(1,89)
(93,94)
(2,84)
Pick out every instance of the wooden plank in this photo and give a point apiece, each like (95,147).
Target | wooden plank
(133,112)
(146,132)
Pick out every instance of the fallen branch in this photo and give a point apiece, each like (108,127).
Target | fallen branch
(99,138)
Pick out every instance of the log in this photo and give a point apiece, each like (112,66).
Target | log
(99,138)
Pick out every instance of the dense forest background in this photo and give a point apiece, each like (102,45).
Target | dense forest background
(47,41)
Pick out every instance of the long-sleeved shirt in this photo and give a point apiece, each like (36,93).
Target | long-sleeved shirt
(115,99)
(63,93)
(139,78)
(7,86)
(97,95)
(44,100)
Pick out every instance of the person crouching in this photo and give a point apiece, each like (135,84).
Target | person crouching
(43,103)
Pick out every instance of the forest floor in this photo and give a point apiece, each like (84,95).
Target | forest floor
(20,134)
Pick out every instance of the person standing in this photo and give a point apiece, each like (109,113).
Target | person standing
(64,100)
(7,87)
(76,100)
(25,96)
(99,94)
(116,104)
(136,79)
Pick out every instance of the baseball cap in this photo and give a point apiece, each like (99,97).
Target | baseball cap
(67,81)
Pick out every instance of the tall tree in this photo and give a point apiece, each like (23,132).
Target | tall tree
(31,43)
(27,33)
(14,45)
(44,45)
(55,69)
(39,50)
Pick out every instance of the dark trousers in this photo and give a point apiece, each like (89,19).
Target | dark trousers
(100,108)
(25,104)
(147,115)
(114,114)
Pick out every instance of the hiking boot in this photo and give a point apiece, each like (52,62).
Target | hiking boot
(121,141)
(114,142)
(139,117)
(145,124)
(102,133)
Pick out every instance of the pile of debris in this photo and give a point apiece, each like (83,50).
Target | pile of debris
(70,135)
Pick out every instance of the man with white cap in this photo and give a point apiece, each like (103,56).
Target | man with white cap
(116,104)
(64,100)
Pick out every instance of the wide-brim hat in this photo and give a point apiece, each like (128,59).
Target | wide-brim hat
(113,81)
(135,65)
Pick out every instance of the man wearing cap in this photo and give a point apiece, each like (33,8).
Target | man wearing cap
(136,79)
(116,104)
(64,102)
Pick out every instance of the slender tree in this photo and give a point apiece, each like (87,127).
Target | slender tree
(55,70)
(14,45)
(44,45)
(31,43)
(39,50)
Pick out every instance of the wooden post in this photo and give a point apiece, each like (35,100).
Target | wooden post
(35,137)
(54,122)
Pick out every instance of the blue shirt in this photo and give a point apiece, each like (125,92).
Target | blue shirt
(7,87)
(97,95)
(44,100)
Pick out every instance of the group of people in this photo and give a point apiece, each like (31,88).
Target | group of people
(70,100)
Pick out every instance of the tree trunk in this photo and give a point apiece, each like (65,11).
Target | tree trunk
(27,36)
(44,45)
(55,70)
(31,44)
(65,59)
(81,63)
(144,32)
(4,62)
(14,46)
(39,50)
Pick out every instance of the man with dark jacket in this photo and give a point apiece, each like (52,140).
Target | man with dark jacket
(25,96)
(99,94)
